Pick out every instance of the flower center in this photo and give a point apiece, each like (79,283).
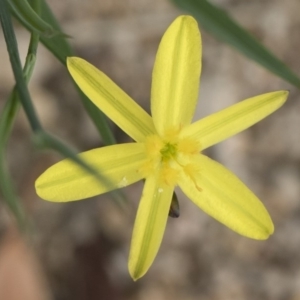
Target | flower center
(171,155)
(168,152)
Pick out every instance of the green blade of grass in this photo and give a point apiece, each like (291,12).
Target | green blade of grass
(218,23)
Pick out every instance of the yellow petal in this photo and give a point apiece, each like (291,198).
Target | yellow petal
(111,99)
(234,119)
(66,181)
(149,226)
(176,73)
(223,196)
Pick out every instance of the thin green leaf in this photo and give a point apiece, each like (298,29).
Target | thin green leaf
(24,11)
(58,45)
(219,24)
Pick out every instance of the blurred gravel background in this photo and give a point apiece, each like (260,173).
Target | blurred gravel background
(79,250)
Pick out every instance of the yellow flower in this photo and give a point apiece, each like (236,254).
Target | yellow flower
(167,148)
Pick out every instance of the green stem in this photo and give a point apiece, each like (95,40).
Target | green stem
(7,119)
(12,48)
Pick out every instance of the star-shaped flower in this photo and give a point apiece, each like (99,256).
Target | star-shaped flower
(167,148)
